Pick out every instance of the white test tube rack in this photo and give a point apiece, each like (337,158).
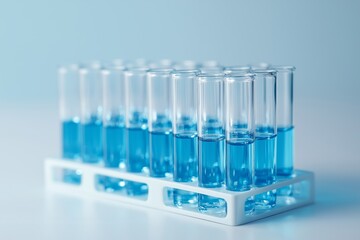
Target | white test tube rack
(302,184)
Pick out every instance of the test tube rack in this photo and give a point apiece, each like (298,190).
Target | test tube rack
(302,183)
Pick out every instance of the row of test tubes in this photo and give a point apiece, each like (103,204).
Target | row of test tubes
(228,127)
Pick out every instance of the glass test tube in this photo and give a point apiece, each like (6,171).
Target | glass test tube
(137,138)
(284,119)
(69,96)
(265,135)
(91,113)
(160,124)
(114,116)
(211,139)
(240,133)
(114,124)
(185,133)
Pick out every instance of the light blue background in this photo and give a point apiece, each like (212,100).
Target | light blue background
(321,38)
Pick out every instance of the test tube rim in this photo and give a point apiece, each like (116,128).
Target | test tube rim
(210,75)
(112,66)
(264,71)
(283,68)
(236,68)
(261,65)
(136,69)
(107,71)
(160,70)
(185,72)
(187,61)
(241,76)
(209,64)
(64,68)
(94,65)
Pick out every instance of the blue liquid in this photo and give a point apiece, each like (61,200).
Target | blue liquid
(137,159)
(183,198)
(285,151)
(114,152)
(239,162)
(110,184)
(71,142)
(114,142)
(285,157)
(71,139)
(161,154)
(185,157)
(137,149)
(136,188)
(211,171)
(185,166)
(92,141)
(239,157)
(265,147)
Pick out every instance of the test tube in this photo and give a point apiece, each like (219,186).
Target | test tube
(69,96)
(160,124)
(185,133)
(240,133)
(137,137)
(114,123)
(136,120)
(284,119)
(211,139)
(265,135)
(91,113)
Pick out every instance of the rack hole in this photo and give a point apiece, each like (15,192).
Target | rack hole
(195,202)
(278,198)
(122,187)
(67,175)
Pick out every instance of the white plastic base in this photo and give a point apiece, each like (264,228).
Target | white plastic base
(302,185)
